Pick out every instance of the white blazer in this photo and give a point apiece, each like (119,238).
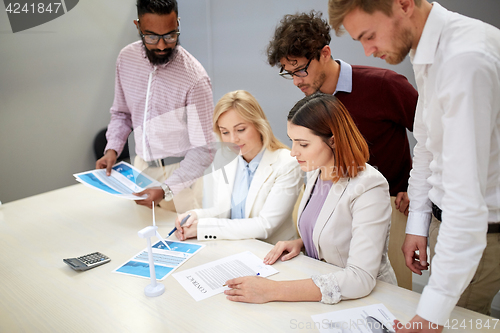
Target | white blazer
(352,230)
(268,207)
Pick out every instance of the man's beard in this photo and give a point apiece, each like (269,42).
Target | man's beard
(157,59)
(402,43)
(317,84)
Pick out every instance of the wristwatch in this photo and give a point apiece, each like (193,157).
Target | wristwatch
(168,192)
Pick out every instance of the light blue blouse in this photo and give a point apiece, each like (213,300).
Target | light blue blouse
(244,176)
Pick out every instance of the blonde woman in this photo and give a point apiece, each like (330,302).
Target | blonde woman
(344,215)
(256,196)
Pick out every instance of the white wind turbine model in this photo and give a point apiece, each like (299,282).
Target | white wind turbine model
(154,288)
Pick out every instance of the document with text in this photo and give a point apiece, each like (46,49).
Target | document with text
(209,279)
(374,318)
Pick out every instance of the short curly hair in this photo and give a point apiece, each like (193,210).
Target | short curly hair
(297,36)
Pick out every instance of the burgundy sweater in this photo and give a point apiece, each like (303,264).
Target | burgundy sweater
(382,104)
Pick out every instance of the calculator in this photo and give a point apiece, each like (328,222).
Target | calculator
(87,261)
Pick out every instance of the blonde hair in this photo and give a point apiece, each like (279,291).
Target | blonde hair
(338,10)
(249,109)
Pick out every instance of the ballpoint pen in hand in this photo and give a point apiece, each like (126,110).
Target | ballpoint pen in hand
(182,223)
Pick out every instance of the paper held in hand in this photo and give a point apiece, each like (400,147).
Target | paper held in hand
(123,181)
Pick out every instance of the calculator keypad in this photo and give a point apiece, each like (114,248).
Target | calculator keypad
(94,259)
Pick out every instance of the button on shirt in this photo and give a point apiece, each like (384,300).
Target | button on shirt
(242,180)
(456,161)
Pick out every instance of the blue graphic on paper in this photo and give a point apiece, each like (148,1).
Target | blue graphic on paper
(94,181)
(132,175)
(177,247)
(142,269)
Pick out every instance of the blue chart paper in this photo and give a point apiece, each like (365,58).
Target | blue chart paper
(124,181)
(92,180)
(165,261)
(133,175)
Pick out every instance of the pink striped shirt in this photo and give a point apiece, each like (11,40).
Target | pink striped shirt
(178,120)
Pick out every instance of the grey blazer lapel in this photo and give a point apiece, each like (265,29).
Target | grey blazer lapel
(325,215)
(311,179)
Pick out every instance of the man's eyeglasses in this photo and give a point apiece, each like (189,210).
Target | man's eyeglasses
(168,38)
(298,73)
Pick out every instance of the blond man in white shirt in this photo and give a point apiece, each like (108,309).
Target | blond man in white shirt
(456,166)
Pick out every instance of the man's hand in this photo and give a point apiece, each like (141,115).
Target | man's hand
(416,262)
(417,324)
(154,194)
(107,161)
(402,202)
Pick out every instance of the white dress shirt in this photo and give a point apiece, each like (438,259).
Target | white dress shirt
(456,161)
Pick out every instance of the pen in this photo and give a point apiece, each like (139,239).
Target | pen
(182,223)
(255,275)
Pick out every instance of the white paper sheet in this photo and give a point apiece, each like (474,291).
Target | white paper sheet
(374,318)
(207,280)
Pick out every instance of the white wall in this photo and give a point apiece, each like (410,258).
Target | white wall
(56,80)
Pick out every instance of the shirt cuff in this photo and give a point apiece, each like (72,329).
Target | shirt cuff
(329,287)
(435,307)
(418,223)
(206,229)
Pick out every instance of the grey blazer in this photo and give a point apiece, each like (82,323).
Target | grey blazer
(352,232)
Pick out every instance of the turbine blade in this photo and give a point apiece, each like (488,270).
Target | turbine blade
(162,240)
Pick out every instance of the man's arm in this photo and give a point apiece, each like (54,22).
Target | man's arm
(120,124)
(467,88)
(419,215)
(199,111)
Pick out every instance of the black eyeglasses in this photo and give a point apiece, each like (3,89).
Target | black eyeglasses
(298,73)
(168,38)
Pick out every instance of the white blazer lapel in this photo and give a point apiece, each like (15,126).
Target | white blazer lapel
(264,170)
(225,190)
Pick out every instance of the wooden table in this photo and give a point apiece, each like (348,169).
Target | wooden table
(40,293)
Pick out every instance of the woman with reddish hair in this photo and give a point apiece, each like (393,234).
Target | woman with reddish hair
(344,215)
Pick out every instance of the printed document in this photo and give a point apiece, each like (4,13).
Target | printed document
(166,261)
(209,279)
(123,181)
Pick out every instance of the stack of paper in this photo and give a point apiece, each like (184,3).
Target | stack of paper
(123,181)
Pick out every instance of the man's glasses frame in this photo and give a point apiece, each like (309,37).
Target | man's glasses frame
(152,39)
(298,73)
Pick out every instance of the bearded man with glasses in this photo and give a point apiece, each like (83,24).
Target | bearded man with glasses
(164,95)
(381,102)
